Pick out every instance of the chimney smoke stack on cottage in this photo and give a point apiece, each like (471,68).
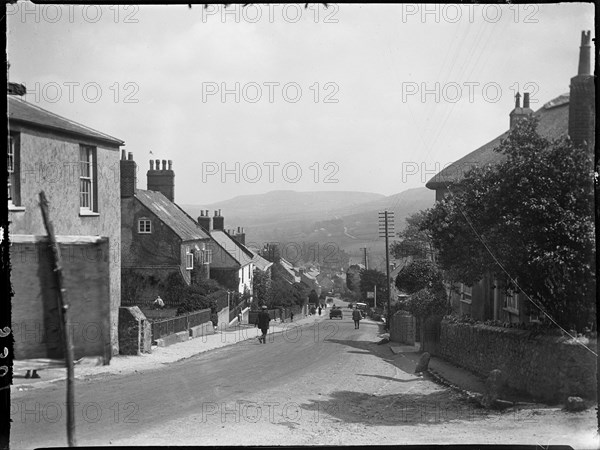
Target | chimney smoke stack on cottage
(519,113)
(162,180)
(239,236)
(128,170)
(204,221)
(218,221)
(582,99)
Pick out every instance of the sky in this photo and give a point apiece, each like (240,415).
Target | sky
(372,98)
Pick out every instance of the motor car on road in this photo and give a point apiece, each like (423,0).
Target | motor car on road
(336,313)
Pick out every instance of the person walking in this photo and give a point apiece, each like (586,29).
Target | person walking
(319,310)
(356,316)
(292,316)
(262,322)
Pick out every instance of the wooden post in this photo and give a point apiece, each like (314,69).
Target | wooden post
(63,308)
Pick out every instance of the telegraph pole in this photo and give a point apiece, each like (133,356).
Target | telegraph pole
(386,229)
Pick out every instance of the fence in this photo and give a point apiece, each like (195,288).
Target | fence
(162,328)
(235,310)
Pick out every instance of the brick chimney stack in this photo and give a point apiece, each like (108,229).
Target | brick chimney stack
(582,99)
(519,113)
(239,235)
(128,170)
(162,180)
(218,221)
(204,220)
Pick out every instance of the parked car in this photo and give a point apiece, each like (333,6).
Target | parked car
(336,313)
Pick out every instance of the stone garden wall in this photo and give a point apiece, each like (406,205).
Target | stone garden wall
(403,328)
(550,368)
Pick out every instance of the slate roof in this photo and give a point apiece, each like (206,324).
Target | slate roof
(553,123)
(21,111)
(238,252)
(289,268)
(260,262)
(171,215)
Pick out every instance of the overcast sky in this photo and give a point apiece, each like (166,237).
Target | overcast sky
(326,99)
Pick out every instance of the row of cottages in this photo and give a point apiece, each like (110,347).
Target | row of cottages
(572,113)
(75,166)
(158,238)
(307,276)
(232,262)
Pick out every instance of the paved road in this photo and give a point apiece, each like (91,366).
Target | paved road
(323,383)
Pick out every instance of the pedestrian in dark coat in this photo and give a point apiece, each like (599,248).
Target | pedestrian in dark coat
(262,322)
(291,317)
(319,310)
(356,316)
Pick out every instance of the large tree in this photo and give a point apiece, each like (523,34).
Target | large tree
(369,278)
(533,212)
(414,241)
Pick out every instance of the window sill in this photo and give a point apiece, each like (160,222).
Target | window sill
(88,214)
(511,310)
(467,301)
(16,208)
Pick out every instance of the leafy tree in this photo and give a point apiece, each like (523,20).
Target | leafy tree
(369,278)
(419,275)
(353,278)
(534,212)
(261,285)
(427,302)
(414,240)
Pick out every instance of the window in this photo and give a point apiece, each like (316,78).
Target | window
(465,293)
(88,198)
(12,163)
(206,256)
(144,226)
(189,259)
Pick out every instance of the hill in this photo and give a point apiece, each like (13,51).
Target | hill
(326,226)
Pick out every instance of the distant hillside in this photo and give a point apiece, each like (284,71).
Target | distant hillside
(284,205)
(327,225)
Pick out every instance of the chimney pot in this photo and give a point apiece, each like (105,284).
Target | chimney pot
(206,213)
(216,213)
(219,212)
(164,165)
(130,156)
(517,100)
(170,165)
(584,53)
(123,154)
(201,213)
(151,165)
(526,100)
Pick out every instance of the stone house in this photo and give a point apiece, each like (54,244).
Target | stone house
(76,167)
(159,239)
(232,262)
(571,114)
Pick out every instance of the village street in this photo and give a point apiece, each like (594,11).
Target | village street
(322,383)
